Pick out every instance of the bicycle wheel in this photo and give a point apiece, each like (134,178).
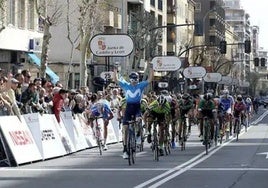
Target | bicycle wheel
(99,145)
(133,149)
(206,136)
(216,133)
(156,152)
(129,146)
(236,126)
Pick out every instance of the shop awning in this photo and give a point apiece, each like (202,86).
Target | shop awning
(53,76)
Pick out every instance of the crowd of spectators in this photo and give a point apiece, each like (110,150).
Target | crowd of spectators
(22,94)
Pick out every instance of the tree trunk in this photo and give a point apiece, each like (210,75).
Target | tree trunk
(45,46)
(83,63)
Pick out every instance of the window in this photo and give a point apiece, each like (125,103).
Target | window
(153,3)
(160,4)
(21,14)
(31,11)
(11,12)
(76,80)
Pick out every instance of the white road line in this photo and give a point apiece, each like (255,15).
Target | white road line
(229,169)
(183,167)
(82,169)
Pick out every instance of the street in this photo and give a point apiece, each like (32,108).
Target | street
(241,163)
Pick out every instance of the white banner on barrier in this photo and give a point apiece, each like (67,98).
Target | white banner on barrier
(65,138)
(75,130)
(87,131)
(111,137)
(117,128)
(19,140)
(46,136)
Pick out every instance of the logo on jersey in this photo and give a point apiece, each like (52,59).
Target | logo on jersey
(133,95)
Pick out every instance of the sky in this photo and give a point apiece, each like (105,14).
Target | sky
(257,10)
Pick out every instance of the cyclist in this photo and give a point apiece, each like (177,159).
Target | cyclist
(207,108)
(133,92)
(158,110)
(184,104)
(239,108)
(249,108)
(100,109)
(226,102)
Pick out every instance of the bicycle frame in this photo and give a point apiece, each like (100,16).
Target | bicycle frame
(131,141)
(96,127)
(206,132)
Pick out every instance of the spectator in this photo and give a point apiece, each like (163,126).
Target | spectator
(58,102)
(29,99)
(27,79)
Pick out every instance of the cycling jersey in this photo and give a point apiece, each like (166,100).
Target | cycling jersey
(160,109)
(100,109)
(133,94)
(226,102)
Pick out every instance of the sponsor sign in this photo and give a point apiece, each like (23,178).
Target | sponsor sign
(74,130)
(166,63)
(19,139)
(45,135)
(226,80)
(107,75)
(235,82)
(212,77)
(87,131)
(111,45)
(162,84)
(194,72)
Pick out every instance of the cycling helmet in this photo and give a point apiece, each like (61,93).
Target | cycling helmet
(208,96)
(248,100)
(133,77)
(225,92)
(161,99)
(239,98)
(185,96)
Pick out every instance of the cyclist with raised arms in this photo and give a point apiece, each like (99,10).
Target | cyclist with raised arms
(133,93)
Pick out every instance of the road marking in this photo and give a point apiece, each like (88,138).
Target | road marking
(229,169)
(183,167)
(82,169)
(263,153)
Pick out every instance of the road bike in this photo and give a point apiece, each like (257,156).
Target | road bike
(96,127)
(167,140)
(155,141)
(131,141)
(207,133)
(237,125)
(182,132)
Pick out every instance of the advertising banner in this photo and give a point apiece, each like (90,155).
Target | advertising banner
(19,139)
(45,135)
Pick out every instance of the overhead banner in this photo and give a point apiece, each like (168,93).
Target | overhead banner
(166,63)
(45,135)
(75,130)
(19,139)
(111,45)
(194,72)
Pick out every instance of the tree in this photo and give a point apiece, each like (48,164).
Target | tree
(91,21)
(49,11)
(2,14)
(146,36)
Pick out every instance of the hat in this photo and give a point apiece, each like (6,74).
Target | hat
(14,80)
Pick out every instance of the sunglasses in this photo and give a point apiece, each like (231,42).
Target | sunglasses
(133,80)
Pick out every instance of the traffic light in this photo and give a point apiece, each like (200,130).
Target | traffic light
(256,61)
(223,47)
(263,62)
(247,46)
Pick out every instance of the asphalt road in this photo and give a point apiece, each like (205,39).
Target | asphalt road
(232,164)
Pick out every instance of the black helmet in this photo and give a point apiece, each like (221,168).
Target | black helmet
(239,98)
(185,96)
(208,96)
(133,77)
(161,99)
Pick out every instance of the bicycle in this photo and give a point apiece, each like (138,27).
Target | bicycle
(96,127)
(167,141)
(237,125)
(131,141)
(155,141)
(207,133)
(225,127)
(140,135)
(182,129)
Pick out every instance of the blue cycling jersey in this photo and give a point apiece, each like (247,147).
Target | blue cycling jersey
(226,102)
(133,94)
(100,109)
